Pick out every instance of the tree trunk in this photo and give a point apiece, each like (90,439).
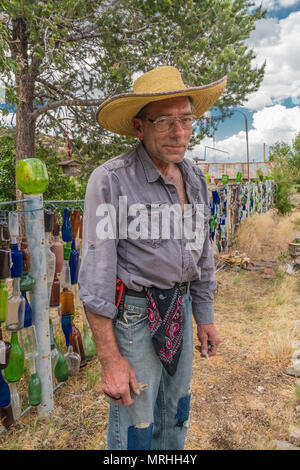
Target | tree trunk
(25,82)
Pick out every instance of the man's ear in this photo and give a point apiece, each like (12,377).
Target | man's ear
(138,127)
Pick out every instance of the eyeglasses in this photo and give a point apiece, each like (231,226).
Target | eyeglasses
(165,123)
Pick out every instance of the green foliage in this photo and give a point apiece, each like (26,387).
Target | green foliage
(281,157)
(60,186)
(84,50)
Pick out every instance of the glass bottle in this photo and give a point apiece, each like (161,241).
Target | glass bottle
(27,282)
(56,227)
(48,220)
(6,414)
(73,359)
(67,302)
(61,369)
(75,222)
(15,308)
(55,292)
(34,390)
(5,348)
(15,401)
(16,269)
(51,264)
(88,345)
(76,343)
(66,228)
(80,227)
(3,299)
(4,392)
(57,248)
(65,277)
(28,312)
(13,226)
(4,230)
(73,263)
(15,368)
(54,352)
(5,255)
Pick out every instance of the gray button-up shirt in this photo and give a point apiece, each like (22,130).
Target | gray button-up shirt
(122,196)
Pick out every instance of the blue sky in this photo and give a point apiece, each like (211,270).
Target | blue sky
(273,113)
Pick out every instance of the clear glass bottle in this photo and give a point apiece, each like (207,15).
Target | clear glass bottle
(88,345)
(15,308)
(3,300)
(15,401)
(73,359)
(5,348)
(54,352)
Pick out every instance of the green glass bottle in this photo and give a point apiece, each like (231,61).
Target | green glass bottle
(88,345)
(15,368)
(61,370)
(34,390)
(3,300)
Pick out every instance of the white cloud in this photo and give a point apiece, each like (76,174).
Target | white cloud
(273,124)
(277,42)
(275,4)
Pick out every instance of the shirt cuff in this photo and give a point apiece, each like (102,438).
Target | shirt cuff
(98,306)
(203,312)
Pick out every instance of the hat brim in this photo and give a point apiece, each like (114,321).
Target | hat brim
(116,114)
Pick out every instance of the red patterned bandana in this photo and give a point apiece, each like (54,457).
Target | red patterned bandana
(165,322)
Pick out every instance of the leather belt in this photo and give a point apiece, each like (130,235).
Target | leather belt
(184,289)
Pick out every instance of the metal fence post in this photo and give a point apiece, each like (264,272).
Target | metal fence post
(35,232)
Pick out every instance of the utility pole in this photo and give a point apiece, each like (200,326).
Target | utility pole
(247,144)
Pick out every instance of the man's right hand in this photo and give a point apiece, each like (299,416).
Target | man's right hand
(117,376)
(117,380)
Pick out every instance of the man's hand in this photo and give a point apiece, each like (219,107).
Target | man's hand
(207,333)
(117,379)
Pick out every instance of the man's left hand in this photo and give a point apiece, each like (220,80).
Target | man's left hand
(207,333)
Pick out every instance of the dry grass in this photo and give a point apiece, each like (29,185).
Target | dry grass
(265,236)
(241,399)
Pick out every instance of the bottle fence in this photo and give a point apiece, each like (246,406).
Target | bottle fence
(42,280)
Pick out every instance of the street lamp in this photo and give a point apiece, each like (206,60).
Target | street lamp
(246,126)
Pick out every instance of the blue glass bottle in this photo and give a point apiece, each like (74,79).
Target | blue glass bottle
(28,312)
(66,324)
(66,228)
(16,269)
(73,263)
(4,392)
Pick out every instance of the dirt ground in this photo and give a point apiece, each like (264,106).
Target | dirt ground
(241,399)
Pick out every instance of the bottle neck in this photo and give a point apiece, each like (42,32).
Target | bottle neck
(16,286)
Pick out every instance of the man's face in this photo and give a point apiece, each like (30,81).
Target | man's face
(168,146)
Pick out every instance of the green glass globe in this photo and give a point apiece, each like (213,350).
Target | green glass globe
(32,176)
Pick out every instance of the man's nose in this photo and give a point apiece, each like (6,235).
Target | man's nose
(176,128)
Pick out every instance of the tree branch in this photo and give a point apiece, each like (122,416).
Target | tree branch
(57,104)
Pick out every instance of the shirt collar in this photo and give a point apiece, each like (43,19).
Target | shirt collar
(151,171)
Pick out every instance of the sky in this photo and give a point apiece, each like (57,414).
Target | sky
(273,112)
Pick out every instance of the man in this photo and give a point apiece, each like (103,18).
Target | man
(145,346)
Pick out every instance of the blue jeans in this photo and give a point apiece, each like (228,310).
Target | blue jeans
(159,416)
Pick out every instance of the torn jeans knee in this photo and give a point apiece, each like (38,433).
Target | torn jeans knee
(183,411)
(140,436)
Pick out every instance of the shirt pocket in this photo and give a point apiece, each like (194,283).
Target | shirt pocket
(145,223)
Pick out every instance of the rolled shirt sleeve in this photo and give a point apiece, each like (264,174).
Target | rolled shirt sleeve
(203,290)
(98,267)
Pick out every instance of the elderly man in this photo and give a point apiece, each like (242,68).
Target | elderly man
(144,334)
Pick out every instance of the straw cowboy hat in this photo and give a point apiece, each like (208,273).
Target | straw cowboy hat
(116,114)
